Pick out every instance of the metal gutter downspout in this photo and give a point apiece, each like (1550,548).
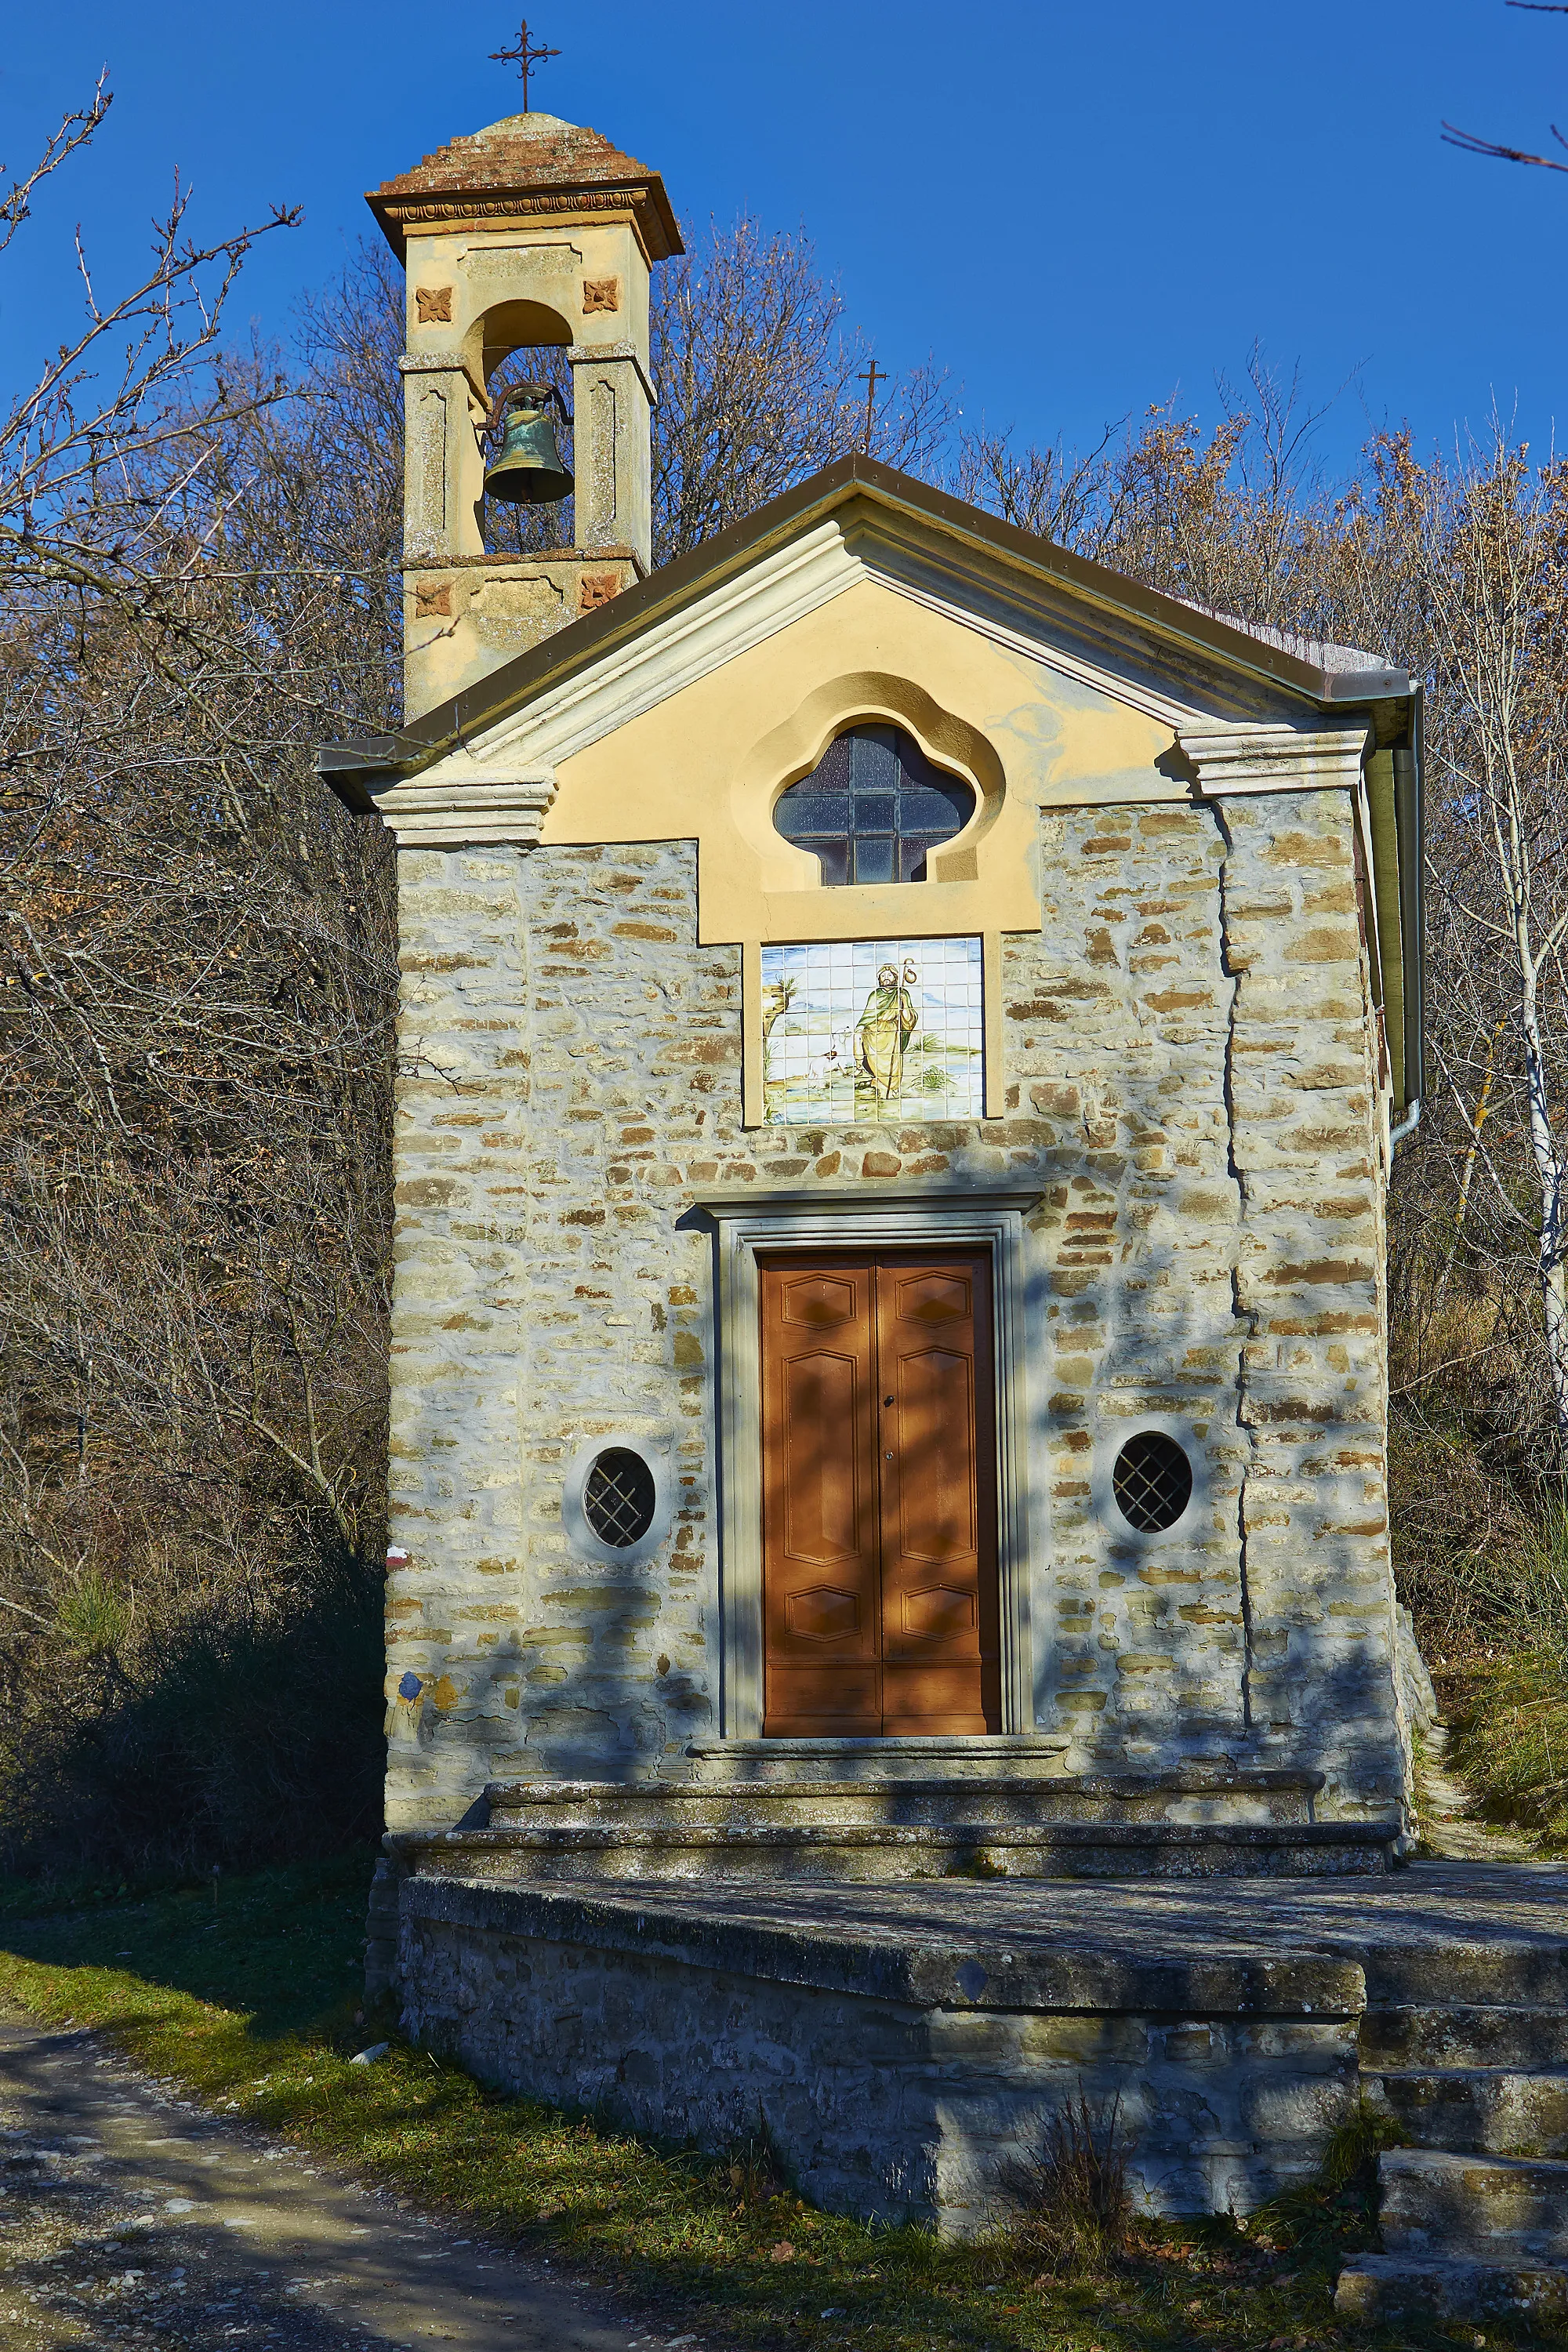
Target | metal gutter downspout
(1410,827)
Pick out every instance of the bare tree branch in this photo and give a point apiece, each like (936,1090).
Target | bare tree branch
(1469,143)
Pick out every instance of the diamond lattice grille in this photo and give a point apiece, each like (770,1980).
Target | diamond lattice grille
(618,1499)
(1153,1482)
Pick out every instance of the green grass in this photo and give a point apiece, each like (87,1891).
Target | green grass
(251,2005)
(1421,1789)
(1511,1742)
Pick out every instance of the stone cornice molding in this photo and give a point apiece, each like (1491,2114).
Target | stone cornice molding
(450,215)
(431,362)
(1234,760)
(460,815)
(603,355)
(861,1201)
(442,361)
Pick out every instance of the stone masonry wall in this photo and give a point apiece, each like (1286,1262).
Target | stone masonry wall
(894,2099)
(1189,1082)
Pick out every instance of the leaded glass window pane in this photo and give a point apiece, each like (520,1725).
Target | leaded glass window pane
(873,807)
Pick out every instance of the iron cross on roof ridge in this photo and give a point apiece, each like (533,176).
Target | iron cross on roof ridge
(525,56)
(871,377)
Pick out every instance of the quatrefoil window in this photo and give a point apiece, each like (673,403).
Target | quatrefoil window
(873,808)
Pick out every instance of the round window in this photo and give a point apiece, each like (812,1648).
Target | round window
(1153,1482)
(619,1496)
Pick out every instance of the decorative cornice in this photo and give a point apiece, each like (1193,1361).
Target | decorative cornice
(525,565)
(454,815)
(727,1205)
(602,354)
(431,362)
(402,218)
(1235,760)
(780,587)
(557,688)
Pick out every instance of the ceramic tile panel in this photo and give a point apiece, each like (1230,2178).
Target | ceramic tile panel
(859,1031)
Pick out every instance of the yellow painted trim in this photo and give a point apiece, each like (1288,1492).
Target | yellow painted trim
(708,761)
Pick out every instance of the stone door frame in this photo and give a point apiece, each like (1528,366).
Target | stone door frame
(937,1218)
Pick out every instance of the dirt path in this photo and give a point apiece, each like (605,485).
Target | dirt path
(128,2216)
(1457,1832)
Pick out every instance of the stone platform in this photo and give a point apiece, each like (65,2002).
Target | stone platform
(902,2044)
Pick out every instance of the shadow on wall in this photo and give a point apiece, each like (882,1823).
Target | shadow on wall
(1152,1634)
(240,1736)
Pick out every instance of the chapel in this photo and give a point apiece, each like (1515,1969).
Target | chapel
(903,1036)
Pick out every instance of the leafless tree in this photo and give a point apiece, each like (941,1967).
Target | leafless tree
(1471,144)
(760,380)
(1494,559)
(196,980)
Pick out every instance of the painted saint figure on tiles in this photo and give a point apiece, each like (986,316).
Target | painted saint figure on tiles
(882,1030)
(884,1027)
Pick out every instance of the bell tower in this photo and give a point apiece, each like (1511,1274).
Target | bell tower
(531,234)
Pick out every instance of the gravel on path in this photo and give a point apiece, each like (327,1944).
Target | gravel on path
(129,2216)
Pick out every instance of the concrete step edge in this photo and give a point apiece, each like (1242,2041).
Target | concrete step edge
(1375,2286)
(589,1835)
(1480,2073)
(1441,2163)
(1468,2009)
(1129,1788)
(1376,2013)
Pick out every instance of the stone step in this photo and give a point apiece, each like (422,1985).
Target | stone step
(1483,1974)
(884,1852)
(1377,2287)
(1494,2110)
(1420,2033)
(946,1756)
(1012,1799)
(1478,2209)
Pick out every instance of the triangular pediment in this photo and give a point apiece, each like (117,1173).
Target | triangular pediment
(682,710)
(859,523)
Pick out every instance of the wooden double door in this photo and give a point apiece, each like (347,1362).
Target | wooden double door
(878,1496)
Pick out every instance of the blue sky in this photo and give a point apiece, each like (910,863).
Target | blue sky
(1076,209)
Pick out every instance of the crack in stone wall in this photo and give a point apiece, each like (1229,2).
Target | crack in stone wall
(1246,1321)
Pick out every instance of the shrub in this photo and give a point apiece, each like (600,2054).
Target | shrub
(1075,2203)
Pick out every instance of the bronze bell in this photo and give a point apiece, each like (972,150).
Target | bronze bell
(528,471)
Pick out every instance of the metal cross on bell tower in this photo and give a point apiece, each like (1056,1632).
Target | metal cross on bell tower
(525,57)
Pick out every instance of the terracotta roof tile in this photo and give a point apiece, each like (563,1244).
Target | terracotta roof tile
(527,155)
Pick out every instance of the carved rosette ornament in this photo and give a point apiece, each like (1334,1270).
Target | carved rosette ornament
(435,305)
(597,588)
(600,294)
(432,600)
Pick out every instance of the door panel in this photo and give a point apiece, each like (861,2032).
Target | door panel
(820,1600)
(938,1549)
(934,1427)
(879,1497)
(825,1490)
